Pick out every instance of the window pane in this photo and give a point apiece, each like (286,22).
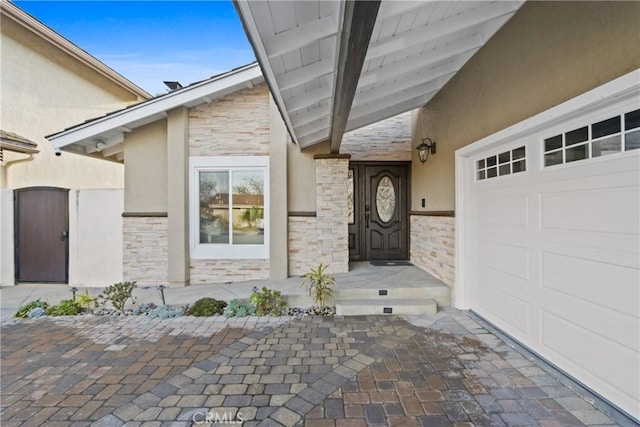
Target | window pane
(248,207)
(504,157)
(605,146)
(505,169)
(491,161)
(492,172)
(553,158)
(214,207)
(576,136)
(577,153)
(518,153)
(632,140)
(520,166)
(481,175)
(553,143)
(481,164)
(632,120)
(605,127)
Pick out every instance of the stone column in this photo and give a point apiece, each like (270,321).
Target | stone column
(332,171)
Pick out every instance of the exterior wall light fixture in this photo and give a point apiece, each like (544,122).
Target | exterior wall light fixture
(425,148)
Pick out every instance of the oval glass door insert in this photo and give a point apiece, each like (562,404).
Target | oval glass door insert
(385,199)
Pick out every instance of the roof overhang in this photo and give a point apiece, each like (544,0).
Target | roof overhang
(104,137)
(13,142)
(401,53)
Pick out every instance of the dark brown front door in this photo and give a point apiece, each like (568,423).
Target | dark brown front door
(42,228)
(378,230)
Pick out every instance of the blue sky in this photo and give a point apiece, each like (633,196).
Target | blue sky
(151,41)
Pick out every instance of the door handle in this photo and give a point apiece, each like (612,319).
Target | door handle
(366,220)
(64,235)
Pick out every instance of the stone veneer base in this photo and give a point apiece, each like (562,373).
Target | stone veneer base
(433,246)
(145,250)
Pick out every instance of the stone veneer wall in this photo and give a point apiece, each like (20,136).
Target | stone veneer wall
(303,245)
(332,213)
(235,125)
(388,140)
(433,246)
(145,250)
(227,270)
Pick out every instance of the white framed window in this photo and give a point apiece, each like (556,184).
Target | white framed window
(505,163)
(616,134)
(229,207)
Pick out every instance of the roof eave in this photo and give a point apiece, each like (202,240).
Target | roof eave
(157,108)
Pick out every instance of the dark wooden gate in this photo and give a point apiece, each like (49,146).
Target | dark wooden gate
(378,229)
(41,236)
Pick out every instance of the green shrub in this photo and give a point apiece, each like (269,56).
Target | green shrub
(67,307)
(206,307)
(24,310)
(319,283)
(237,309)
(268,301)
(118,294)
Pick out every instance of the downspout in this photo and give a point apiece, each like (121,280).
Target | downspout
(6,165)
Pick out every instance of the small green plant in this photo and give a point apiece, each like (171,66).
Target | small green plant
(86,301)
(268,301)
(236,309)
(318,283)
(67,307)
(166,312)
(118,294)
(206,307)
(144,309)
(23,310)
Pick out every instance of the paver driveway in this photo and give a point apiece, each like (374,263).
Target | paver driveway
(351,371)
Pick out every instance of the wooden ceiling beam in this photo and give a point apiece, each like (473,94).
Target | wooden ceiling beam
(359,20)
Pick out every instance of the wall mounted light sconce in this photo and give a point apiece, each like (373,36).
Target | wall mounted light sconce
(425,148)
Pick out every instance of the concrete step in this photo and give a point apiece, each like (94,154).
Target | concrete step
(381,305)
(440,294)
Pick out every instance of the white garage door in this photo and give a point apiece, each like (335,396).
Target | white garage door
(552,250)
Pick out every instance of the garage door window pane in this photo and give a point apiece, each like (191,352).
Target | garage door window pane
(577,136)
(481,175)
(605,146)
(632,120)
(492,173)
(632,140)
(481,164)
(505,169)
(553,158)
(577,153)
(605,127)
(491,161)
(553,143)
(504,157)
(518,153)
(519,166)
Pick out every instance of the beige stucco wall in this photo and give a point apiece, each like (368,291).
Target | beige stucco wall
(547,53)
(301,179)
(145,158)
(43,91)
